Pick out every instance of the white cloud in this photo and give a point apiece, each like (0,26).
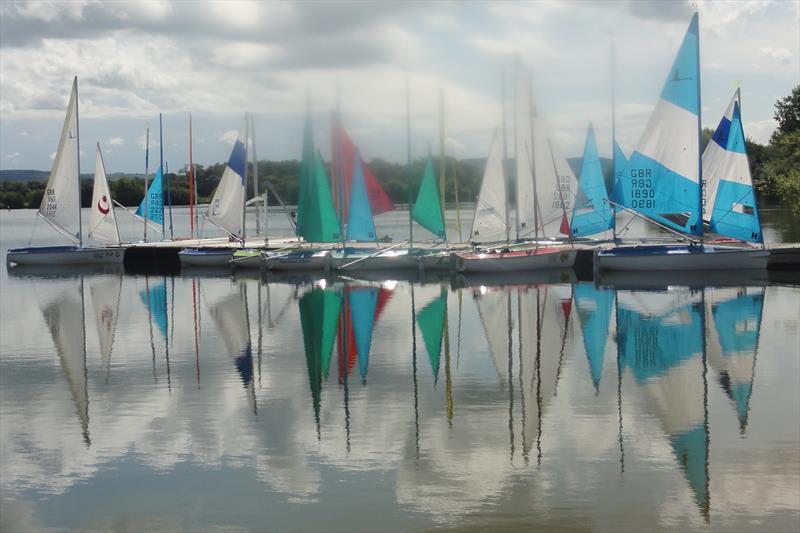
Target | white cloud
(760,131)
(115,141)
(781,55)
(229,137)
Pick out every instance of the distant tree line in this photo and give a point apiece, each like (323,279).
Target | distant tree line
(775,168)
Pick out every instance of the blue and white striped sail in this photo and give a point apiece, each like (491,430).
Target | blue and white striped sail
(662,178)
(620,162)
(729,203)
(363,301)
(226,209)
(154,200)
(592,213)
(360,225)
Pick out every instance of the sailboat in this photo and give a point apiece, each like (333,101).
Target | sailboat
(591,213)
(545,186)
(663,180)
(61,206)
(227,208)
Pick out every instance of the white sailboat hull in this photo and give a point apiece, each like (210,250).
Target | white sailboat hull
(680,257)
(307,260)
(65,255)
(543,258)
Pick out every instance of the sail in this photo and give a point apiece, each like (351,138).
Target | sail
(103,223)
(360,226)
(620,162)
(64,318)
(105,294)
(226,208)
(663,347)
(662,176)
(489,223)
(427,210)
(592,213)
(156,300)
(306,180)
(729,203)
(556,185)
(61,202)
(431,323)
(363,302)
(733,343)
(155,201)
(345,159)
(319,317)
(523,146)
(231,320)
(594,313)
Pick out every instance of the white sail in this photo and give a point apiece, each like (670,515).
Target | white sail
(226,209)
(105,301)
(555,181)
(489,223)
(524,150)
(64,318)
(61,201)
(103,223)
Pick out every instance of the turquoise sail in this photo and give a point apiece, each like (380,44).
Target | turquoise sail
(363,301)
(733,212)
(594,313)
(591,213)
(156,299)
(155,201)
(360,226)
(620,162)
(662,178)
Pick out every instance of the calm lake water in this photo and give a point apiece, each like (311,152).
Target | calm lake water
(219,402)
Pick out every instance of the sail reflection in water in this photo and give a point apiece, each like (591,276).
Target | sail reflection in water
(660,338)
(500,399)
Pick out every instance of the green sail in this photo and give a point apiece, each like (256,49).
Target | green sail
(427,210)
(319,318)
(316,216)
(431,323)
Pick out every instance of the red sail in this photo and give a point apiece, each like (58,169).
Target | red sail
(343,160)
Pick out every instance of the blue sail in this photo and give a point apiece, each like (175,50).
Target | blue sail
(362,312)
(662,178)
(620,162)
(729,185)
(360,226)
(591,213)
(155,201)
(594,313)
(156,299)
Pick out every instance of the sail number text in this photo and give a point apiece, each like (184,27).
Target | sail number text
(643,196)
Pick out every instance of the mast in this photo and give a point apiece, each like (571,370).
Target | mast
(516,155)
(505,149)
(146,173)
(78,148)
(536,214)
(410,190)
(191,184)
(455,190)
(244,178)
(255,175)
(161,168)
(442,164)
(613,141)
(699,134)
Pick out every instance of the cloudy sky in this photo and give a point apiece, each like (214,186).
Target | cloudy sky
(218,60)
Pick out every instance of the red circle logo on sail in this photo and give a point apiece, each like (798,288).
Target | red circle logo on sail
(102,205)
